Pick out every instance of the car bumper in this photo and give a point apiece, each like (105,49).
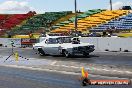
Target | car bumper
(82,50)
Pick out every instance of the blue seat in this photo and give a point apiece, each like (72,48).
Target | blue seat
(123,22)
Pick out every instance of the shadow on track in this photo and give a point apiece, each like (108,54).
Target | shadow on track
(78,58)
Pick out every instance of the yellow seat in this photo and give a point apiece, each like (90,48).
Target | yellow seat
(95,20)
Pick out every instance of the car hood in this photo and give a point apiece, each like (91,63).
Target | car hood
(39,44)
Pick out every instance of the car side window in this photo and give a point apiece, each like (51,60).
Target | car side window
(59,40)
(52,41)
(75,41)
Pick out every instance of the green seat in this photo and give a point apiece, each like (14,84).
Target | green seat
(72,19)
(59,24)
(42,20)
(65,22)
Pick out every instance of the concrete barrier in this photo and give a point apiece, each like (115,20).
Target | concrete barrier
(109,43)
(101,43)
(6,42)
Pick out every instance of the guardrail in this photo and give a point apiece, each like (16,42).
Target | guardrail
(6,42)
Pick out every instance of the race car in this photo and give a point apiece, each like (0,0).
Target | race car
(63,45)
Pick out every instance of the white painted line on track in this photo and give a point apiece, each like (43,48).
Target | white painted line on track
(128,72)
(67,66)
(108,77)
(53,63)
(119,71)
(112,70)
(40,69)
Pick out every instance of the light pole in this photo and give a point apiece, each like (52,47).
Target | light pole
(110,4)
(75,2)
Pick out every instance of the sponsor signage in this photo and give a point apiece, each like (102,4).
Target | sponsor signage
(28,41)
(86,80)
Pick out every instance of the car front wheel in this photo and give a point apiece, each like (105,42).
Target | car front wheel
(41,52)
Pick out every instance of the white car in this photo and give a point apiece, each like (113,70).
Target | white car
(63,45)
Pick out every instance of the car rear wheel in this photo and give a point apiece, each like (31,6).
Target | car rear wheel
(41,52)
(85,54)
(66,54)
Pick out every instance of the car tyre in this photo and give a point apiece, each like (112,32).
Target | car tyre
(85,54)
(41,52)
(66,54)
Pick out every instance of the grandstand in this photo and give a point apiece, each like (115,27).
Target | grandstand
(40,21)
(69,24)
(92,21)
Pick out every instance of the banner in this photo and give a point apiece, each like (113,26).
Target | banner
(28,41)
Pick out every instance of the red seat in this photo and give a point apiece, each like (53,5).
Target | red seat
(9,21)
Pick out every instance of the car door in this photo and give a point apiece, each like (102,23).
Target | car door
(52,47)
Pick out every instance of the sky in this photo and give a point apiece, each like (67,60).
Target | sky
(41,6)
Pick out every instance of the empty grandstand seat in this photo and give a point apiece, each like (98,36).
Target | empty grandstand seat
(7,22)
(43,20)
(120,23)
(82,21)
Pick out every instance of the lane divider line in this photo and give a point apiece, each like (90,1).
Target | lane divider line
(128,72)
(40,69)
(53,63)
